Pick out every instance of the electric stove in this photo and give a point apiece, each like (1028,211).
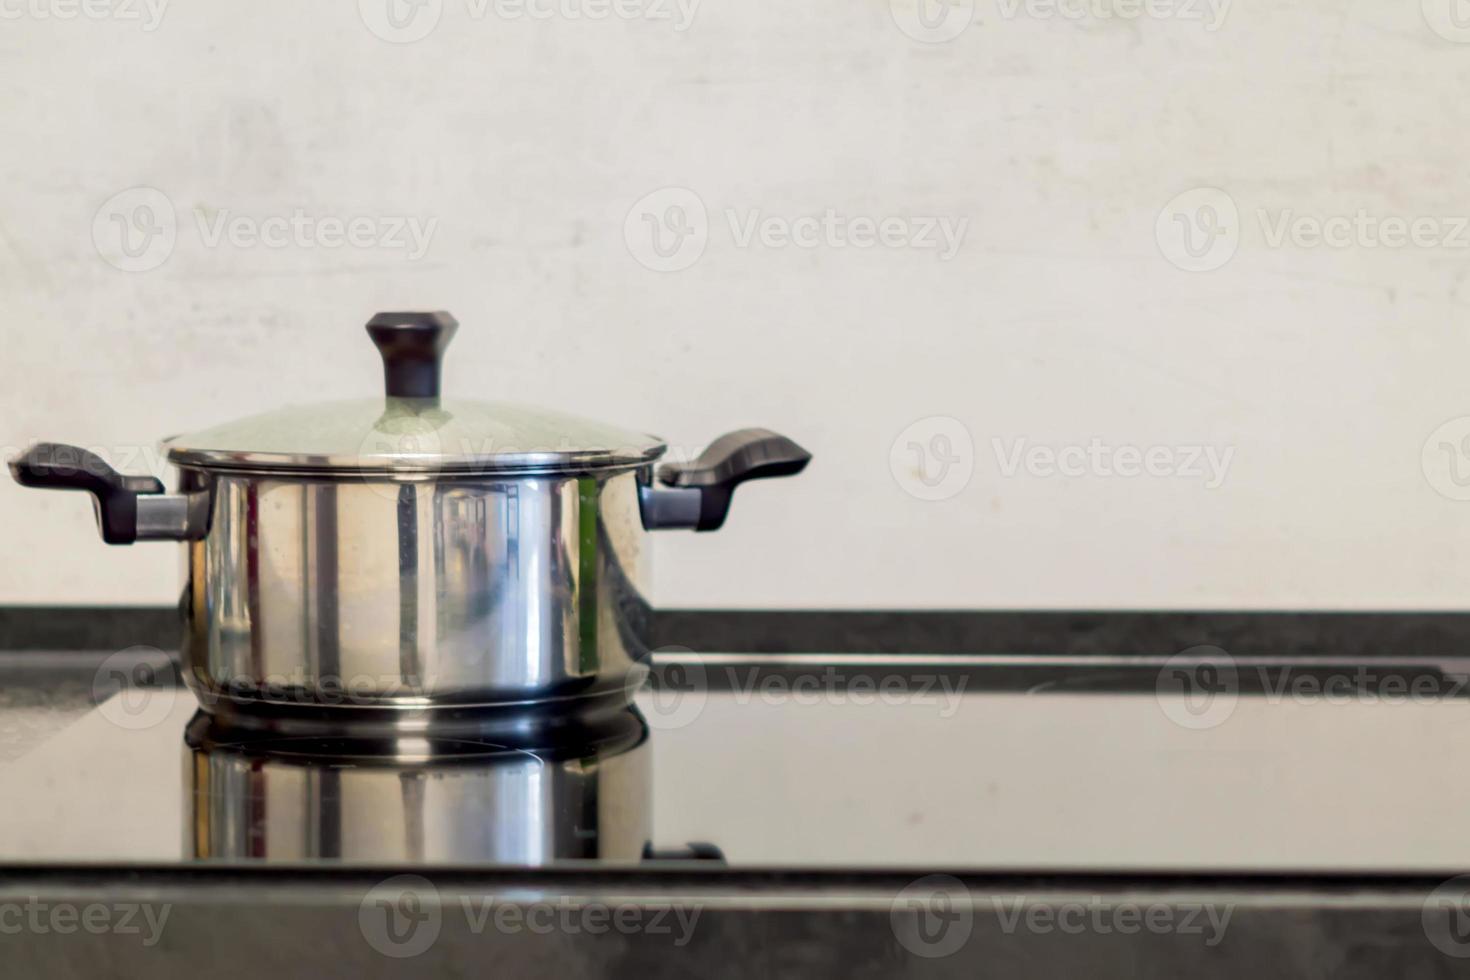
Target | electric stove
(887,814)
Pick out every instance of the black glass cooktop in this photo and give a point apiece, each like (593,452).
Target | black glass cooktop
(806,762)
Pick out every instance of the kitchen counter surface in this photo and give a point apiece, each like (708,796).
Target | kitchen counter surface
(1317,802)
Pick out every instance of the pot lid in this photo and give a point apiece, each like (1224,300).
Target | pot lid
(410,429)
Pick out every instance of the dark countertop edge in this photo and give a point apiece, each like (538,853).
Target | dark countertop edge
(738,922)
(747,880)
(1242,633)
(1341,635)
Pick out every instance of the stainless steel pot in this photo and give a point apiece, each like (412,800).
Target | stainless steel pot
(408,559)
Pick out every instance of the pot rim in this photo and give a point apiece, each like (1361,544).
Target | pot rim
(430,466)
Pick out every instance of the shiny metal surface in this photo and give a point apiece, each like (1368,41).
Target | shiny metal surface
(669,508)
(413,595)
(173,517)
(418,800)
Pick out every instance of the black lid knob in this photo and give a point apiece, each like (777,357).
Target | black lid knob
(412,345)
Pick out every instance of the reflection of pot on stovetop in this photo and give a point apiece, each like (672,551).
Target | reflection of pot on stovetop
(400,555)
(428,800)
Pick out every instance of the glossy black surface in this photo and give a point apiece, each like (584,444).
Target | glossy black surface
(822,763)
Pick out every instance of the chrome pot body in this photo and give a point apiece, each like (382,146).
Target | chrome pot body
(454,591)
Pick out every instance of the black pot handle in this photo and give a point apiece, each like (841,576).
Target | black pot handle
(412,345)
(53,466)
(699,492)
(121,515)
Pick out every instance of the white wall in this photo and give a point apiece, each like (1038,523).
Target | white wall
(1064,316)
